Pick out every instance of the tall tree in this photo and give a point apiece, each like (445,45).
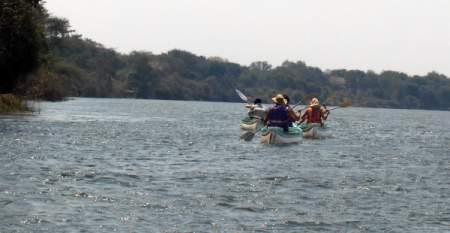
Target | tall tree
(260,65)
(141,78)
(22,40)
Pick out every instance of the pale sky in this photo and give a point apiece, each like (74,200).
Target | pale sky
(411,36)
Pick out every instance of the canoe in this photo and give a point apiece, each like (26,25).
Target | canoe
(315,131)
(277,136)
(251,124)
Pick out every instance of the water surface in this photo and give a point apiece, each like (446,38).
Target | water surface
(102,165)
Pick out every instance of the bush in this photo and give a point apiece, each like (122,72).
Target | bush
(12,104)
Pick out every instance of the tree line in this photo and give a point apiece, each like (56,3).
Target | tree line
(42,57)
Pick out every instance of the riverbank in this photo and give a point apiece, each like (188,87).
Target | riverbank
(10,104)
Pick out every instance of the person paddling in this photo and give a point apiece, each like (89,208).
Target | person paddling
(315,113)
(279,114)
(256,110)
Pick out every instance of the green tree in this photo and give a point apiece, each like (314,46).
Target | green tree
(260,65)
(22,41)
(57,28)
(141,77)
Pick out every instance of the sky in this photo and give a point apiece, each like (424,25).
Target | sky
(411,36)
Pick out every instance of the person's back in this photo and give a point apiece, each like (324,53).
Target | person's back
(256,110)
(314,113)
(278,115)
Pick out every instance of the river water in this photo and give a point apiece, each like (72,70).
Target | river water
(123,165)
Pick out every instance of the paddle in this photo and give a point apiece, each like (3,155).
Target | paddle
(249,135)
(297,104)
(342,105)
(331,109)
(241,95)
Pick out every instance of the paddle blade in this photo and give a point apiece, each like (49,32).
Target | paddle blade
(331,109)
(241,95)
(247,136)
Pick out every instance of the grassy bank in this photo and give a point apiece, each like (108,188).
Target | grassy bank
(10,104)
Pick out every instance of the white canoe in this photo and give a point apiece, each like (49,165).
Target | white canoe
(251,124)
(315,131)
(276,135)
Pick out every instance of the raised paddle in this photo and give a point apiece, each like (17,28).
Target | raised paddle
(247,136)
(241,95)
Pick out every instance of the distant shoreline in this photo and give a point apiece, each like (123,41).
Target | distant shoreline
(74,98)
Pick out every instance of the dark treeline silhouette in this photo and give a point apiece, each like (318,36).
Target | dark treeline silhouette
(22,41)
(63,63)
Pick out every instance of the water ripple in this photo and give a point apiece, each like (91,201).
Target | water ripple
(103,165)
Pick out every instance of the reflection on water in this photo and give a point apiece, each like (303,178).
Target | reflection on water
(100,165)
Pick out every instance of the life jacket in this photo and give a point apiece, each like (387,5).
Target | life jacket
(278,116)
(314,115)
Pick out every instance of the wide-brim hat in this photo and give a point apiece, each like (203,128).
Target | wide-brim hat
(279,99)
(314,102)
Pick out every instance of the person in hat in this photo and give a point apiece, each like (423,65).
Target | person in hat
(256,110)
(315,113)
(279,114)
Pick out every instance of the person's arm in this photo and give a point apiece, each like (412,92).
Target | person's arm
(293,114)
(325,115)
(266,117)
(325,112)
(250,106)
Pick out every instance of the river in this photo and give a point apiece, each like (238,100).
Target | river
(124,165)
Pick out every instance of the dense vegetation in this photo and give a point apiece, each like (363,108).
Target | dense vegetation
(21,40)
(22,48)
(86,68)
(46,59)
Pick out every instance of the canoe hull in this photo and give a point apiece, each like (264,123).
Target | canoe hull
(315,131)
(251,124)
(276,136)
(249,127)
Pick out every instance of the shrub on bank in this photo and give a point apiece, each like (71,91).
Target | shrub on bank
(10,103)
(42,85)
